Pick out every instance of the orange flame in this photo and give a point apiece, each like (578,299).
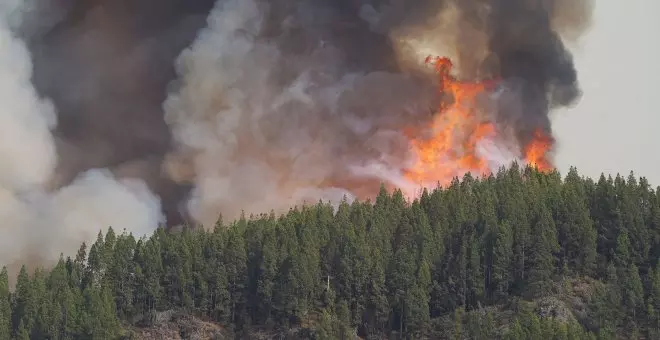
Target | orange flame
(536,152)
(456,130)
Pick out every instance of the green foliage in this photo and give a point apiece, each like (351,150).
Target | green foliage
(5,308)
(463,254)
(530,327)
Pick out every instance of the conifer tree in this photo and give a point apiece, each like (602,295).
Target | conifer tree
(541,255)
(22,313)
(389,268)
(653,300)
(5,308)
(576,233)
(502,254)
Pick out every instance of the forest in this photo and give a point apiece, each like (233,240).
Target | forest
(520,254)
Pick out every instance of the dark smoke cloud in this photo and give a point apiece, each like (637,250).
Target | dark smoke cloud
(106,66)
(522,42)
(524,47)
(39,221)
(283,101)
(256,105)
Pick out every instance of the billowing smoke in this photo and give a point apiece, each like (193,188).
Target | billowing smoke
(245,105)
(281,101)
(39,223)
(521,42)
(276,107)
(106,65)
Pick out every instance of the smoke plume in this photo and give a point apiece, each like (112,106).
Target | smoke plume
(39,223)
(281,101)
(219,107)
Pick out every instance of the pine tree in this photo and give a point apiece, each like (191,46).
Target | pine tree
(73,314)
(541,254)
(514,211)
(23,332)
(100,321)
(95,262)
(326,329)
(417,304)
(377,312)
(653,300)
(576,233)
(345,329)
(502,254)
(46,316)
(475,273)
(632,291)
(23,315)
(267,273)
(605,215)
(121,274)
(5,308)
(631,201)
(401,277)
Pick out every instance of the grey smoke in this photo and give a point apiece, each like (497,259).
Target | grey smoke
(228,106)
(279,102)
(268,122)
(38,223)
(106,65)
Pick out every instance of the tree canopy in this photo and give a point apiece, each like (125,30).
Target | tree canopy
(468,261)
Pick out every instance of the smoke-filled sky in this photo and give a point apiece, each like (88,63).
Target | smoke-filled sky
(116,112)
(615,127)
(40,219)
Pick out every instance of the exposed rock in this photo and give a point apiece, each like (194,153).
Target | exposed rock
(177,325)
(552,307)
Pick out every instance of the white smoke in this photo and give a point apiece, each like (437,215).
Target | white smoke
(38,224)
(277,106)
(256,146)
(250,142)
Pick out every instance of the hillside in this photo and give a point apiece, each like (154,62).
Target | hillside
(518,255)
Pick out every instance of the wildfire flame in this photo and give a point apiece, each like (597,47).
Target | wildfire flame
(536,152)
(456,131)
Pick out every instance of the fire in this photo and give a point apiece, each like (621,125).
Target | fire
(536,152)
(451,149)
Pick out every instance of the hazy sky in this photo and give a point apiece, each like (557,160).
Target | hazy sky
(616,125)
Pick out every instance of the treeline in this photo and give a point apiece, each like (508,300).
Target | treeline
(390,268)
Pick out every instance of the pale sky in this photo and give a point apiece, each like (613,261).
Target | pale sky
(616,125)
